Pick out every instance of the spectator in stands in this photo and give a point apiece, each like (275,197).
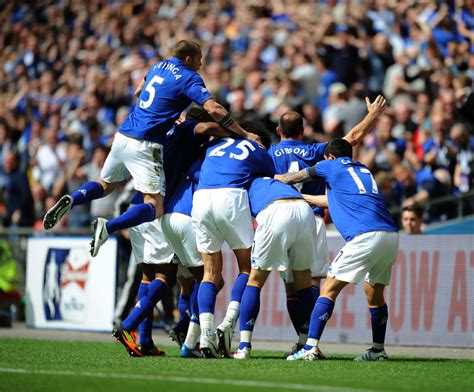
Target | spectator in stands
(464,170)
(73,67)
(15,193)
(412,219)
(439,151)
(419,188)
(384,150)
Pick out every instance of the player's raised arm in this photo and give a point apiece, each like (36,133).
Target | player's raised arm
(295,178)
(140,87)
(225,120)
(376,108)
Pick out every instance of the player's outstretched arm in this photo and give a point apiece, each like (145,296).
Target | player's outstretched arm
(225,120)
(376,108)
(212,129)
(294,178)
(317,200)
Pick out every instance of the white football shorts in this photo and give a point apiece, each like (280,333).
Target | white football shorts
(370,255)
(284,239)
(179,232)
(220,215)
(141,159)
(149,244)
(321,261)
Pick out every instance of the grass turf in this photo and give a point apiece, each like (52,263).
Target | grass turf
(37,365)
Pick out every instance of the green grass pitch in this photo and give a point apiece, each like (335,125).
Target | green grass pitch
(37,365)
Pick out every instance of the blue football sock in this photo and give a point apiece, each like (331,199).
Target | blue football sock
(184,312)
(207,297)
(316,291)
(134,216)
(292,306)
(86,193)
(306,303)
(156,290)
(249,308)
(144,329)
(321,314)
(239,287)
(183,307)
(379,317)
(193,303)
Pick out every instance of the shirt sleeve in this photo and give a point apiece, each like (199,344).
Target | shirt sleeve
(321,169)
(318,149)
(196,90)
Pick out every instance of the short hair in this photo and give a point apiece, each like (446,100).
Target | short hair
(339,148)
(197,113)
(185,48)
(258,129)
(416,209)
(291,124)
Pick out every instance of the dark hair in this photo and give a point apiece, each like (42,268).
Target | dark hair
(416,209)
(185,48)
(259,129)
(339,148)
(102,148)
(197,113)
(291,124)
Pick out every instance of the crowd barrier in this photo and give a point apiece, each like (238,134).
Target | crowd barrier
(430,298)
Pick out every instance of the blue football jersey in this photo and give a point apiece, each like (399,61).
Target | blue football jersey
(181,200)
(233,163)
(264,190)
(170,87)
(355,203)
(294,155)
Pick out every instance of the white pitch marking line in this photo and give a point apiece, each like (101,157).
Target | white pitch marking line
(197,380)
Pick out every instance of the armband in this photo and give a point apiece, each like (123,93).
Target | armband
(227,121)
(311,171)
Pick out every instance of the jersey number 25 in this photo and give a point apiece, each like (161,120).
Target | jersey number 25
(244,146)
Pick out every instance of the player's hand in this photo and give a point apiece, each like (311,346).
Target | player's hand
(254,138)
(279,177)
(377,107)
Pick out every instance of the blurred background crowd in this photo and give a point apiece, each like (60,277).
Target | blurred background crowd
(69,70)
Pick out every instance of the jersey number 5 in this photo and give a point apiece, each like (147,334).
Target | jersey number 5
(150,88)
(359,182)
(244,146)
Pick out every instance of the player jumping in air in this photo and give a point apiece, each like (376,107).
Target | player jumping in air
(137,150)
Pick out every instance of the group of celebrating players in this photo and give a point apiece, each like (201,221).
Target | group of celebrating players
(199,182)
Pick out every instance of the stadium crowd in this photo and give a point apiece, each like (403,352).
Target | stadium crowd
(69,70)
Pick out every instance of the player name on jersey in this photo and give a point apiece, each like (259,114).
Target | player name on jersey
(289,150)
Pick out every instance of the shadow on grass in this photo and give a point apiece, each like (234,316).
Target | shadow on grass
(347,358)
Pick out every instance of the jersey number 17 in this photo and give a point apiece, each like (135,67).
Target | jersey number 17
(359,183)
